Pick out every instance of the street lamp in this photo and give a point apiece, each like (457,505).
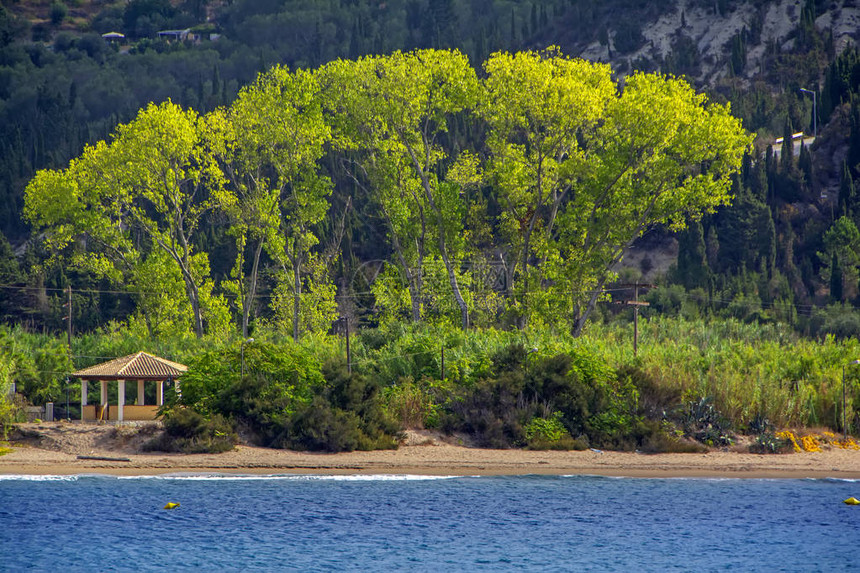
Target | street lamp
(242,353)
(814,111)
(844,427)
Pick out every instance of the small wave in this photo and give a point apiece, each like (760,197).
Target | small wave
(675,478)
(837,480)
(25,477)
(594,476)
(287,477)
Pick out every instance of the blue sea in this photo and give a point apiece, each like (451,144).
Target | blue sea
(424,523)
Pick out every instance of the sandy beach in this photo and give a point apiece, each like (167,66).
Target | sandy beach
(66,449)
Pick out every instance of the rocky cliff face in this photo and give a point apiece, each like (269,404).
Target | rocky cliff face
(756,53)
(707,34)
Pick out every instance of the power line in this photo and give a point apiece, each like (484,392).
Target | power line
(802,309)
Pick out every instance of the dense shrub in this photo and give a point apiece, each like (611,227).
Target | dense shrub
(494,410)
(655,401)
(279,380)
(550,434)
(520,390)
(701,420)
(256,408)
(413,404)
(188,432)
(320,427)
(770,443)
(346,415)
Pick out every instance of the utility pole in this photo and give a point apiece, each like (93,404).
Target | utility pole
(636,303)
(636,319)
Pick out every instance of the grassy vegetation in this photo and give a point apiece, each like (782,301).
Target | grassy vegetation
(693,381)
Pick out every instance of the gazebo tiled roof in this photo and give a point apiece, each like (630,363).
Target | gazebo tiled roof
(140,366)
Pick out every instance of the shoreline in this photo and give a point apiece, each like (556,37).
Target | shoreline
(444,460)
(74,449)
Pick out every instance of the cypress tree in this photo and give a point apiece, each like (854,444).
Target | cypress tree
(768,233)
(786,158)
(712,247)
(854,138)
(846,191)
(804,163)
(835,279)
(692,269)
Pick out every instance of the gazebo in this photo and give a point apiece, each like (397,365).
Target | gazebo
(142,367)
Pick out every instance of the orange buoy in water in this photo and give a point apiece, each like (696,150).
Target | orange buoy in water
(171,505)
(851,501)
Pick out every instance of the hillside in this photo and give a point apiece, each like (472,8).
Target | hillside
(771,256)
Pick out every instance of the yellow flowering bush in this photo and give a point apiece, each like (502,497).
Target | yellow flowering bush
(813,442)
(847,444)
(810,444)
(789,436)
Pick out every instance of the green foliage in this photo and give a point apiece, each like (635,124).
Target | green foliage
(278,378)
(347,415)
(286,399)
(769,443)
(499,406)
(37,364)
(59,11)
(187,432)
(413,405)
(8,410)
(550,434)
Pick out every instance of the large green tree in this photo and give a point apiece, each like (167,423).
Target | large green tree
(398,111)
(152,184)
(275,133)
(660,155)
(542,110)
(585,166)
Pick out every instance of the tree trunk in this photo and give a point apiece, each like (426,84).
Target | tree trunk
(443,249)
(190,288)
(579,323)
(252,290)
(414,288)
(297,291)
(194,299)
(413,282)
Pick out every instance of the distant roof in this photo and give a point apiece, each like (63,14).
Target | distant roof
(113,35)
(140,366)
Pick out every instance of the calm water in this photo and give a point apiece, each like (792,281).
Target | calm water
(387,523)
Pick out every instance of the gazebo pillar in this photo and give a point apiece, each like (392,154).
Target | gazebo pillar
(83,396)
(103,399)
(120,398)
(140,396)
(159,393)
